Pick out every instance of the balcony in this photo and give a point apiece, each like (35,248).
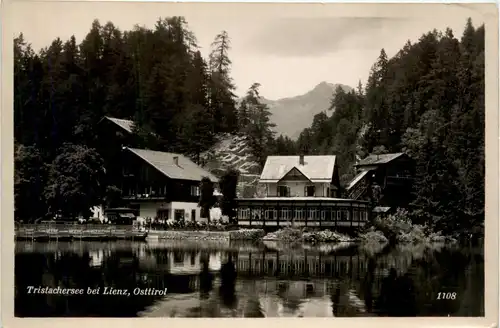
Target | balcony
(144,197)
(401,180)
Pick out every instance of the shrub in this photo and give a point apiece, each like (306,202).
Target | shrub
(286,235)
(293,235)
(247,234)
(325,236)
(373,236)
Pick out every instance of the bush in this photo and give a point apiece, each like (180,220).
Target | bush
(398,228)
(247,234)
(373,236)
(325,236)
(286,235)
(293,235)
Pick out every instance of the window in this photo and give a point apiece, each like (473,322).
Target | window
(312,214)
(256,214)
(310,191)
(328,215)
(323,215)
(195,190)
(298,214)
(178,257)
(284,191)
(334,193)
(284,213)
(244,213)
(179,215)
(163,213)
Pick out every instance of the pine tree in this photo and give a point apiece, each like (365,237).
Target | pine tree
(207,198)
(228,184)
(260,129)
(221,87)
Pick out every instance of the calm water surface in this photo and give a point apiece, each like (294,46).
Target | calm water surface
(271,280)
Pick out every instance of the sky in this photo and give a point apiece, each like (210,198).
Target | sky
(288,49)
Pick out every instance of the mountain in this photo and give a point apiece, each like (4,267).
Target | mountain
(292,115)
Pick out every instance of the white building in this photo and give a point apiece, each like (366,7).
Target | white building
(301,176)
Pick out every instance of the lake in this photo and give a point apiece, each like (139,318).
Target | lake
(270,280)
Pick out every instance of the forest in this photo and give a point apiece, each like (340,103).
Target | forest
(427,100)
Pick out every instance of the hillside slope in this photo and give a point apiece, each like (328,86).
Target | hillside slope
(232,151)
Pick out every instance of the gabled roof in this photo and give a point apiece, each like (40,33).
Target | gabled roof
(357,178)
(126,125)
(165,163)
(373,159)
(381,209)
(318,168)
(293,174)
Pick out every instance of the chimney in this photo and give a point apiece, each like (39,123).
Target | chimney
(301,159)
(176,160)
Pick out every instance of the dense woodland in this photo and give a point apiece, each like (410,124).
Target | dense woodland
(427,100)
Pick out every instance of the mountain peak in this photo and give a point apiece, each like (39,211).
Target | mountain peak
(324,85)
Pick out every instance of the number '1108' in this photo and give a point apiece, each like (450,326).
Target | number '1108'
(447,296)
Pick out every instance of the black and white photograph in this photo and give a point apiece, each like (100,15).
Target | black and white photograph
(252,160)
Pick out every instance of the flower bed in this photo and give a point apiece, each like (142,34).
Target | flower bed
(291,235)
(195,226)
(191,235)
(325,236)
(285,235)
(246,234)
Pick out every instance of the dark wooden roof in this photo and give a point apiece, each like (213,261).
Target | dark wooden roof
(126,125)
(183,169)
(373,159)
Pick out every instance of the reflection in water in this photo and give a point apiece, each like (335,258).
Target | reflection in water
(206,279)
(247,280)
(397,296)
(228,281)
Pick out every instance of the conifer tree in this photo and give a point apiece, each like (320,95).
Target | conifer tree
(221,87)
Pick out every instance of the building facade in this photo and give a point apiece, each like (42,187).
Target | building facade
(300,176)
(302,191)
(386,179)
(162,185)
(155,184)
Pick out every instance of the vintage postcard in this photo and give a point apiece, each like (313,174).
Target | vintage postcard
(202,160)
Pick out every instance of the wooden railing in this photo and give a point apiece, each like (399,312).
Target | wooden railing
(76,227)
(77,231)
